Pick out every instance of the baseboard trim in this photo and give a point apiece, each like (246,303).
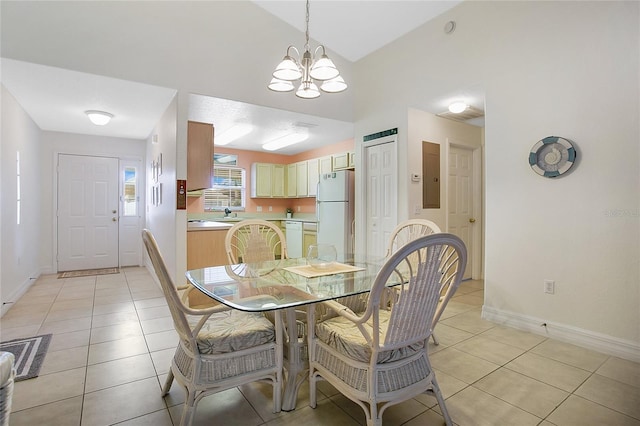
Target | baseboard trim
(584,338)
(17,294)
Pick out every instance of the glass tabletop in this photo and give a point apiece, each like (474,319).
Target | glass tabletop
(284,283)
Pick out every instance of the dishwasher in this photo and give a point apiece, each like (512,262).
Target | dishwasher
(293,232)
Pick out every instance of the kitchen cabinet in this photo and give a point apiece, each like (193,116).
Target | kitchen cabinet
(309,236)
(312,177)
(199,155)
(325,164)
(292,187)
(341,161)
(268,180)
(302,179)
(352,160)
(278,180)
(206,248)
(261,180)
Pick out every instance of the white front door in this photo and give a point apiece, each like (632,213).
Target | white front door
(87,212)
(381,188)
(460,201)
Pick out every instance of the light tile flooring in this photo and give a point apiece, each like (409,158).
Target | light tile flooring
(113,340)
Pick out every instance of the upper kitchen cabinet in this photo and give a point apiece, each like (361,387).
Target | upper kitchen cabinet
(292,184)
(341,161)
(268,180)
(199,155)
(302,179)
(325,164)
(313,177)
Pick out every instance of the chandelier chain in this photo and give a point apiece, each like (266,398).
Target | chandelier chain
(306,34)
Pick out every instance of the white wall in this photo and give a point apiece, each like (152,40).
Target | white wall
(18,243)
(161,218)
(54,143)
(547,68)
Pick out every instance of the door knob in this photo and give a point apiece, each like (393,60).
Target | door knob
(472,220)
(113,219)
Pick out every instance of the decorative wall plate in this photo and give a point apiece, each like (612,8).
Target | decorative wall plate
(552,156)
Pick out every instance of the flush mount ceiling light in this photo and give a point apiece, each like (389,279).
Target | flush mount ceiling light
(99,118)
(286,140)
(235,132)
(458,107)
(308,69)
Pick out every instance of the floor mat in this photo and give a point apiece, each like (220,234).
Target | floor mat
(29,355)
(88,272)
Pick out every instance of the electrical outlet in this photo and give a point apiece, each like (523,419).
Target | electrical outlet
(259,208)
(549,286)
(270,208)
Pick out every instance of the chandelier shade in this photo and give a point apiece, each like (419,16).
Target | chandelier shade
(307,69)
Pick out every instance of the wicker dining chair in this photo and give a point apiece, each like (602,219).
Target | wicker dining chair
(255,240)
(409,230)
(380,357)
(219,348)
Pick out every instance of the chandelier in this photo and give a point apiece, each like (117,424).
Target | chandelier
(307,70)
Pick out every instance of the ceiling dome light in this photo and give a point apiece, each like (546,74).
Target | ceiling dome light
(458,107)
(99,118)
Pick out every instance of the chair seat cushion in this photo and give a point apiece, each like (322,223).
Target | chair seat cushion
(233,330)
(343,336)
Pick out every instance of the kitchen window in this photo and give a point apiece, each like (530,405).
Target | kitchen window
(228,190)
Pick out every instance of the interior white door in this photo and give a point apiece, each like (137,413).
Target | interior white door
(381,189)
(460,201)
(87,212)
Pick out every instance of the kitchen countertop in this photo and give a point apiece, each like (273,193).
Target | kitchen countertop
(302,217)
(208,226)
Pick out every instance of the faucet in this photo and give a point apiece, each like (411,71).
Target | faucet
(227,212)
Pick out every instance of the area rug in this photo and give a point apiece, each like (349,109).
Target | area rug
(88,272)
(29,354)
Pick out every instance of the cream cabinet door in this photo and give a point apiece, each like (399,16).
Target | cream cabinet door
(326,165)
(313,177)
(341,161)
(292,179)
(261,180)
(302,180)
(278,180)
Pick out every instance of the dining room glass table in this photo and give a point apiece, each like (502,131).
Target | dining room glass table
(292,285)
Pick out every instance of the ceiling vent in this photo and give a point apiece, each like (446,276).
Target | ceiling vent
(468,114)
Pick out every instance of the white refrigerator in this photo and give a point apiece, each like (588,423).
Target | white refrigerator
(335,211)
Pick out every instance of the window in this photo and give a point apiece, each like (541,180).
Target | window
(228,190)
(130,192)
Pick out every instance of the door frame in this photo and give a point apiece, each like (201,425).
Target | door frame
(54,200)
(477,249)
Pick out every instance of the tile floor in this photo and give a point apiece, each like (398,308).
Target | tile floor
(113,340)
